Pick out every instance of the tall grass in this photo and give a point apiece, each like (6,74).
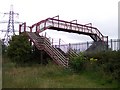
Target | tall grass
(49,76)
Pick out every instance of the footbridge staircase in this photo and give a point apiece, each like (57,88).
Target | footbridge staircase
(43,43)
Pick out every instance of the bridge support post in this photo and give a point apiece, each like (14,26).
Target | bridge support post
(20,29)
(41,57)
(30,43)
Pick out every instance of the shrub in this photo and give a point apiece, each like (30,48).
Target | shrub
(108,63)
(78,63)
(19,49)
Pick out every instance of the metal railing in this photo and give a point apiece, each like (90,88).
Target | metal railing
(75,27)
(113,44)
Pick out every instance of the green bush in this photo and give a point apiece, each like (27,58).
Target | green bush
(19,49)
(108,63)
(78,63)
(105,63)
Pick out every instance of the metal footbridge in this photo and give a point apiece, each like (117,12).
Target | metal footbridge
(60,25)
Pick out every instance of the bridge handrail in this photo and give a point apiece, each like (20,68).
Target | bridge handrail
(69,25)
(52,22)
(96,31)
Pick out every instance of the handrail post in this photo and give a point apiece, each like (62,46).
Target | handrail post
(45,24)
(88,24)
(56,16)
(24,26)
(37,32)
(73,21)
(30,29)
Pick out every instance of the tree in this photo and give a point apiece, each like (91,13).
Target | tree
(19,50)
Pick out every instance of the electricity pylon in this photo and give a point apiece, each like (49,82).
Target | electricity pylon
(10,27)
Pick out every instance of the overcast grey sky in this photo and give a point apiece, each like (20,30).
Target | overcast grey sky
(103,14)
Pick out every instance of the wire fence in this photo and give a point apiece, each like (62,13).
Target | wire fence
(113,44)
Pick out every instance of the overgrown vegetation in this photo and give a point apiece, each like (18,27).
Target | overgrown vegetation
(49,76)
(105,64)
(108,63)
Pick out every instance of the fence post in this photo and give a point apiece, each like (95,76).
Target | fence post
(59,42)
(118,44)
(111,44)
(87,44)
(69,45)
(52,41)
(107,42)
(45,34)
(69,49)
